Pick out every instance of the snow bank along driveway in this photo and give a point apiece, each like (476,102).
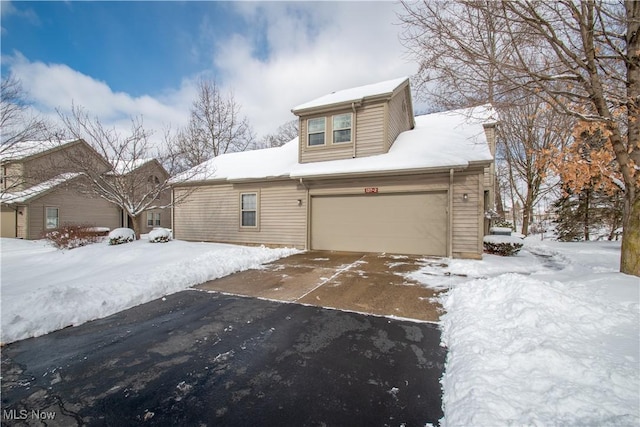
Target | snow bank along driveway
(45,289)
(549,337)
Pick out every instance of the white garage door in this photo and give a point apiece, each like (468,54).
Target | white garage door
(403,223)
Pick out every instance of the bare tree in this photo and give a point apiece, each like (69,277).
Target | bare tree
(580,57)
(127,181)
(285,133)
(215,127)
(16,121)
(530,134)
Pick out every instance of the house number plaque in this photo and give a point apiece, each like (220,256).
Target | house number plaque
(369,190)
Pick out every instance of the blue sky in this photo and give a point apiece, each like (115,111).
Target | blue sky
(123,59)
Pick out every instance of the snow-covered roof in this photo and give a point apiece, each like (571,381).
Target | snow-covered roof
(24,149)
(256,164)
(38,189)
(353,94)
(440,140)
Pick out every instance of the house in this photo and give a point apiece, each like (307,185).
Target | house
(145,175)
(364,175)
(43,187)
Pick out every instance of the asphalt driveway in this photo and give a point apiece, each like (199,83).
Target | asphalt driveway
(197,358)
(360,282)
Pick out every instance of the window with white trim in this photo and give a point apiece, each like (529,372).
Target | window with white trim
(149,219)
(157,216)
(315,131)
(342,128)
(52,219)
(249,210)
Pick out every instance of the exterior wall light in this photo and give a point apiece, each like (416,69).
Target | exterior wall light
(465,197)
(299,202)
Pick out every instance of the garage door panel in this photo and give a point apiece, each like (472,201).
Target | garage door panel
(412,223)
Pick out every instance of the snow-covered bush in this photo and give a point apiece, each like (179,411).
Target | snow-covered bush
(71,236)
(159,235)
(503,223)
(502,245)
(121,235)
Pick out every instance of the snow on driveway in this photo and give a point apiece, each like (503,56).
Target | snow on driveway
(45,289)
(549,337)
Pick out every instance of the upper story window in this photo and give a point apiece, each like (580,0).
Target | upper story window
(342,128)
(315,131)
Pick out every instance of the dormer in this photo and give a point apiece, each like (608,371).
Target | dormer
(358,122)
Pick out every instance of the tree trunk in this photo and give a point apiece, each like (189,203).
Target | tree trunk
(630,254)
(136,225)
(587,193)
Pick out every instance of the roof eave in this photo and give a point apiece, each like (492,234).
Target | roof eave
(391,172)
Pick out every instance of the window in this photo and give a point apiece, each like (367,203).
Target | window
(342,128)
(249,210)
(315,131)
(51,218)
(153,219)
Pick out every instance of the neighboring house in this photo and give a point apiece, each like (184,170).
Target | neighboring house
(42,189)
(364,175)
(147,174)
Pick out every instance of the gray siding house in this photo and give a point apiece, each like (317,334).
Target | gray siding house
(363,175)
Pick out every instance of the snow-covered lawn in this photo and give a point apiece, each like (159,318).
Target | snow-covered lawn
(548,337)
(44,289)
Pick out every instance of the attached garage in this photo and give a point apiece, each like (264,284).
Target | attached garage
(403,223)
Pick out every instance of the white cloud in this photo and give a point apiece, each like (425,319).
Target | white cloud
(286,54)
(314,48)
(53,87)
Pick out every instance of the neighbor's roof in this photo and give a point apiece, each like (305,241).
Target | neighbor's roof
(24,149)
(123,167)
(353,94)
(38,189)
(440,140)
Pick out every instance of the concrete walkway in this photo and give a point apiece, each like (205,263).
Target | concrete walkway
(364,283)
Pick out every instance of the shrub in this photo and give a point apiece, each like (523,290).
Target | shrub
(121,235)
(159,235)
(502,245)
(71,236)
(503,224)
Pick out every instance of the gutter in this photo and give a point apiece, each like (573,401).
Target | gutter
(412,171)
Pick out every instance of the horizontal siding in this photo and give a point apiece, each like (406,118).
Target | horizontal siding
(73,208)
(370,130)
(212,213)
(399,120)
(467,221)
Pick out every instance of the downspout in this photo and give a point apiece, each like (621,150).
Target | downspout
(353,126)
(450,217)
(307,236)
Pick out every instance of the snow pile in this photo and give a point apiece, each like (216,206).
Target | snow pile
(159,235)
(45,289)
(548,337)
(121,235)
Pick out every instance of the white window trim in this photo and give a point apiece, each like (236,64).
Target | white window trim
(149,218)
(256,210)
(46,217)
(324,142)
(333,128)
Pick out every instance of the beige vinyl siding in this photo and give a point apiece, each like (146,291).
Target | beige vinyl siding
(8,222)
(468,221)
(73,208)
(14,177)
(370,130)
(212,213)
(399,119)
